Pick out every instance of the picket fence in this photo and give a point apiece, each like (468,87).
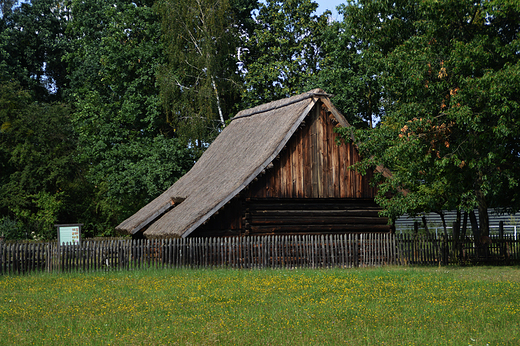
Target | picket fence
(298,251)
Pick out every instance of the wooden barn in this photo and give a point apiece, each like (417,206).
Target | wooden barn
(276,169)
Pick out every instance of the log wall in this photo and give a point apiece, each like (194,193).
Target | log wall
(308,189)
(313,216)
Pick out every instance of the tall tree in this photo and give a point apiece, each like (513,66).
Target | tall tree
(284,51)
(33,41)
(344,73)
(199,83)
(41,182)
(130,150)
(449,73)
(39,175)
(6,6)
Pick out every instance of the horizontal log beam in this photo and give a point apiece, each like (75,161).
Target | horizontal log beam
(312,206)
(299,220)
(318,213)
(319,228)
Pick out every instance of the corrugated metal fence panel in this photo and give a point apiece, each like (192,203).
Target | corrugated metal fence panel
(434,222)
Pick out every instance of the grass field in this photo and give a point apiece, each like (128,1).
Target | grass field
(381,306)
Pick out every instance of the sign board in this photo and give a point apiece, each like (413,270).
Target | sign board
(69,234)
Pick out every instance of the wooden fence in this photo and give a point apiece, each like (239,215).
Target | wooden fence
(430,250)
(320,251)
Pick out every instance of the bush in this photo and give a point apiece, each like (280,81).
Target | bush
(12,229)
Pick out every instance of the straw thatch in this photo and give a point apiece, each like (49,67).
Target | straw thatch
(238,155)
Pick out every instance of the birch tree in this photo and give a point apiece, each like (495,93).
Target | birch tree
(199,84)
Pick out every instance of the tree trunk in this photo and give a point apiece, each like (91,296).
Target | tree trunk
(425,225)
(221,116)
(463,233)
(483,216)
(474,227)
(444,248)
(464,226)
(456,226)
(441,214)
(482,208)
(456,236)
(483,240)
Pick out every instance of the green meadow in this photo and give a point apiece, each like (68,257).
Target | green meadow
(379,306)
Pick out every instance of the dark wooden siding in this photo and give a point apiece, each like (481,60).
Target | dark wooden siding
(227,222)
(308,189)
(313,216)
(312,165)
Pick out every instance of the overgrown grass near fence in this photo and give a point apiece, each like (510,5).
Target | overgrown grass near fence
(381,306)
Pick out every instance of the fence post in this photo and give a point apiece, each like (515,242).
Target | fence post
(445,250)
(501,239)
(356,250)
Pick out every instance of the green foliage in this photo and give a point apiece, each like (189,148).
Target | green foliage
(199,84)
(11,229)
(242,14)
(449,78)
(346,73)
(37,148)
(32,43)
(283,52)
(110,150)
(127,147)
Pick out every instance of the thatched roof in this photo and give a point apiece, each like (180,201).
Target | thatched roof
(240,153)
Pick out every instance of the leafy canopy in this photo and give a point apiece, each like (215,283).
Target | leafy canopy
(283,52)
(449,78)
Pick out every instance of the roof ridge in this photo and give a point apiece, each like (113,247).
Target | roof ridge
(280,103)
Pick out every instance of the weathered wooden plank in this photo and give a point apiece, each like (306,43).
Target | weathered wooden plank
(283,200)
(11,258)
(307,159)
(320,155)
(29,258)
(321,228)
(337,165)
(342,256)
(293,162)
(318,219)
(288,184)
(314,151)
(351,173)
(300,191)
(330,157)
(10,261)
(273,181)
(322,145)
(142,253)
(326,154)
(312,204)
(32,259)
(3,252)
(213,252)
(231,253)
(313,210)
